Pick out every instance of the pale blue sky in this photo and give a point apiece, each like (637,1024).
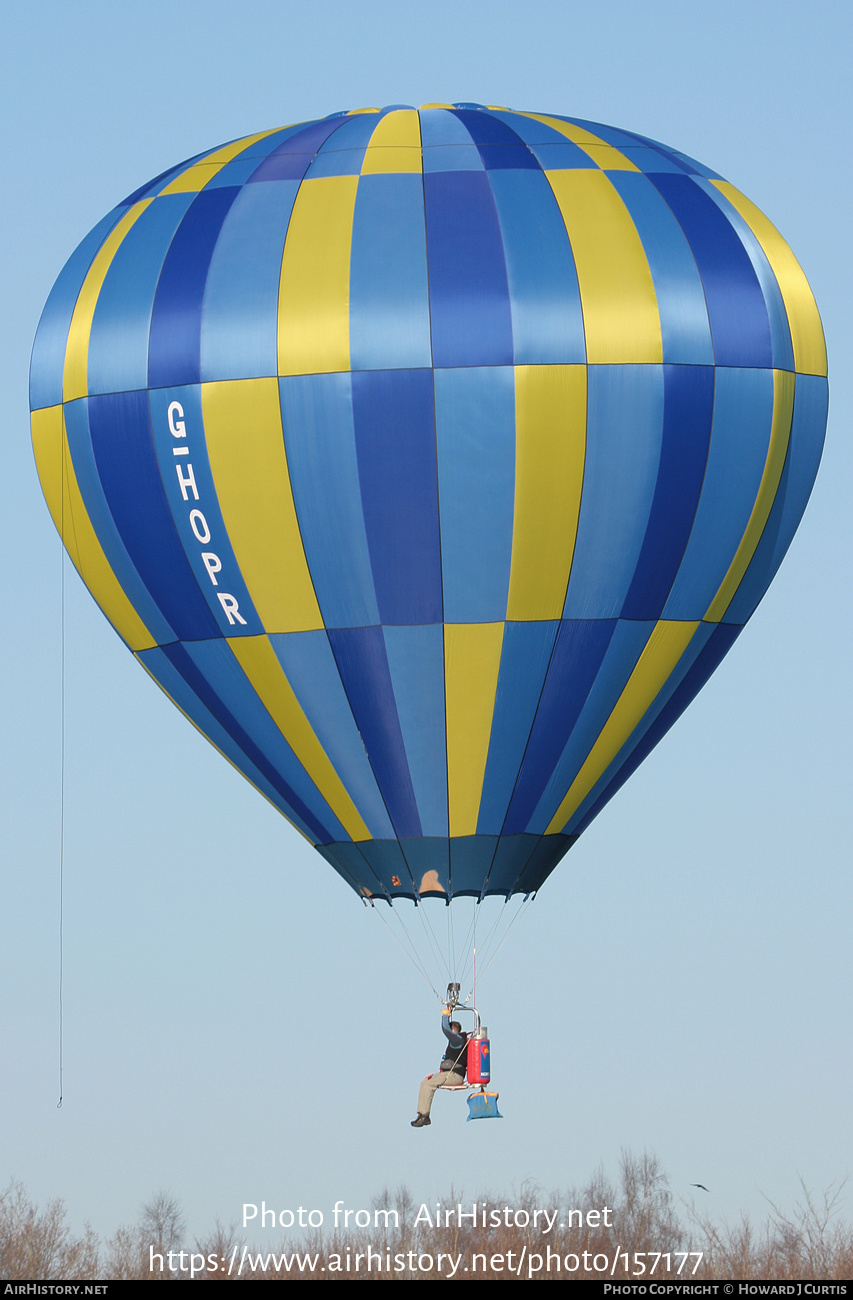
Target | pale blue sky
(682,984)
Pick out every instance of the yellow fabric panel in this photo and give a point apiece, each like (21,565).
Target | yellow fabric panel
(354,112)
(245,444)
(662,652)
(602,154)
(550,448)
(620,311)
(260,664)
(69,514)
(197,176)
(609,158)
(780,434)
(261,792)
(75,373)
(395,145)
(436,106)
(803,316)
(472,656)
(313,303)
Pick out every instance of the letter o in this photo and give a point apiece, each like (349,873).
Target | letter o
(362,1218)
(318,1222)
(289,1222)
(198,524)
(600,1268)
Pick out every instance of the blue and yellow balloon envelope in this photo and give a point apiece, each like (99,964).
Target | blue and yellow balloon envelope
(431,460)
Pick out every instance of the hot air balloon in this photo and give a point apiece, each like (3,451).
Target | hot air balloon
(431,461)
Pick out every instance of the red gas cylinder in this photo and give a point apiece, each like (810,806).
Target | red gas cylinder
(478,1059)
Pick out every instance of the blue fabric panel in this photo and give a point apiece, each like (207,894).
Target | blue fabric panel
(120,425)
(429,854)
(235,173)
(697,168)
(363,666)
(469,297)
(685,328)
(310,668)
(118,340)
(804,450)
(609,134)
(525,656)
(719,643)
(395,446)
(83,460)
(534,133)
(623,449)
(441,127)
(171,680)
(508,157)
(579,652)
(470,862)
(547,321)
(780,331)
(270,144)
(736,307)
(416,663)
(499,145)
(387,861)
(475,431)
(740,436)
(291,160)
(320,442)
(48,358)
(562,157)
(349,862)
(696,646)
(239,320)
(200,496)
(224,676)
(488,128)
(544,858)
(353,134)
(627,644)
(651,160)
(511,857)
(179,656)
(388,288)
(174,351)
(688,408)
(453,158)
(339,162)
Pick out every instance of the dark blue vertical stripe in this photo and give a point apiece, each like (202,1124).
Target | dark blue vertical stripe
(739,324)
(498,144)
(688,409)
(395,444)
(525,656)
(713,654)
(120,426)
(291,160)
(578,654)
(469,296)
(198,683)
(174,354)
(363,665)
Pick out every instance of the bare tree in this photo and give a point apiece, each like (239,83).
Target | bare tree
(161,1229)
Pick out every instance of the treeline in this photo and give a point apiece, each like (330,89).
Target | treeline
(623,1230)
